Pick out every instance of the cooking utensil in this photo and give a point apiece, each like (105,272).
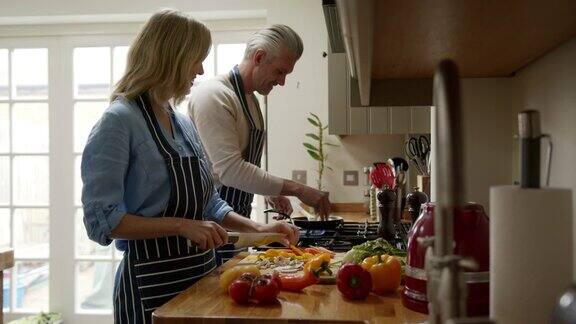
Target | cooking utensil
(281,215)
(418,151)
(241,240)
(304,222)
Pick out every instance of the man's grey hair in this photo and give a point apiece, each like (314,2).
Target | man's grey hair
(271,38)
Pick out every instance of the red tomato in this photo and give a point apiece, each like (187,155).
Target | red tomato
(239,291)
(265,290)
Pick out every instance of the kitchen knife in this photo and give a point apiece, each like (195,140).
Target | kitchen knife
(241,240)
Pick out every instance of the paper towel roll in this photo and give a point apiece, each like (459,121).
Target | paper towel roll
(530,252)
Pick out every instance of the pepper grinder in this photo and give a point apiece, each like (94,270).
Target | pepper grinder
(414,200)
(386,205)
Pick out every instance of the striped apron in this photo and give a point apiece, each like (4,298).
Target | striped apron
(240,200)
(155,270)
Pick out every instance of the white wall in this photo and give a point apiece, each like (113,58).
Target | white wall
(549,85)
(488,121)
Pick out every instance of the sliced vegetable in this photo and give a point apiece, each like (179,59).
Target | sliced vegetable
(296,250)
(353,281)
(296,283)
(318,264)
(386,273)
(234,273)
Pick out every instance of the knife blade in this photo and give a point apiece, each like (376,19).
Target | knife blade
(241,240)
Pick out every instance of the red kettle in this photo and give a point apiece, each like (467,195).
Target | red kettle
(471,239)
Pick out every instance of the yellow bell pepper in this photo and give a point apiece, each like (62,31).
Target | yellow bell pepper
(318,264)
(386,272)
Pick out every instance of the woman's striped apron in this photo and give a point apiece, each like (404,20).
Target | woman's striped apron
(155,270)
(240,200)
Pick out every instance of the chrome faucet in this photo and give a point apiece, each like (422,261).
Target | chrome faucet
(446,288)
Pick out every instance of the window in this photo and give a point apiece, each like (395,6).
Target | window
(52,91)
(24,176)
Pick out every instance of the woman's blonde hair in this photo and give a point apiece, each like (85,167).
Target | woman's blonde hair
(162,57)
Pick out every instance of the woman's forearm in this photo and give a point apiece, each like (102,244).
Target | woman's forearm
(237,223)
(133,227)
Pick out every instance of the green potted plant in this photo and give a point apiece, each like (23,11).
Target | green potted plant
(317,149)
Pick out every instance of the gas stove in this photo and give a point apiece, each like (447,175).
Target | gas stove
(348,235)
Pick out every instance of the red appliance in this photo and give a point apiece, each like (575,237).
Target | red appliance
(471,240)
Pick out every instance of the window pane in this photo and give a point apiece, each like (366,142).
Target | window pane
(3,73)
(30,180)
(77,181)
(6,289)
(91,72)
(31,233)
(5,228)
(4,180)
(30,128)
(94,285)
(4,127)
(120,55)
(30,73)
(86,114)
(31,285)
(84,246)
(228,56)
(208,66)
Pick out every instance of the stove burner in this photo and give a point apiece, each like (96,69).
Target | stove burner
(315,232)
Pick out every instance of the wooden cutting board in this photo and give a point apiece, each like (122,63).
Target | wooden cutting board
(325,278)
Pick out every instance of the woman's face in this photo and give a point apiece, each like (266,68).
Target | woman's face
(197,69)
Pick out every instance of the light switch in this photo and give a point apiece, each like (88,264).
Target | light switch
(351,178)
(299,176)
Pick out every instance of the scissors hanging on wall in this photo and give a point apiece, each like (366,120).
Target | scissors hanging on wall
(418,151)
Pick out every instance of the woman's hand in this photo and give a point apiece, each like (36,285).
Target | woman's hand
(280,203)
(206,234)
(292,232)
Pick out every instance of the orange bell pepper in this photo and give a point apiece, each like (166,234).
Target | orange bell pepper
(318,264)
(386,272)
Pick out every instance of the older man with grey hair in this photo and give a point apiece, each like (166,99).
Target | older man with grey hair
(231,126)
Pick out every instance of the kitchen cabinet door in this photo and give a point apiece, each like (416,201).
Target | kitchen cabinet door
(379,120)
(420,123)
(337,94)
(358,119)
(400,120)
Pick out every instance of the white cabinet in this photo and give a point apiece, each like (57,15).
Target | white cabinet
(347,117)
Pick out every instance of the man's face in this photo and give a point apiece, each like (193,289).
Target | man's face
(272,71)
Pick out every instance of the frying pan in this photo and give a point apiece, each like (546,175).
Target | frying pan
(303,222)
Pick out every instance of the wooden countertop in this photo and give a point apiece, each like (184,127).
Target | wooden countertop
(6,259)
(205,303)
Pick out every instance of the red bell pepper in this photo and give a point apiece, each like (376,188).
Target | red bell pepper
(353,281)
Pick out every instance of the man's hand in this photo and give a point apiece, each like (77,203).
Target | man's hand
(280,203)
(291,231)
(317,199)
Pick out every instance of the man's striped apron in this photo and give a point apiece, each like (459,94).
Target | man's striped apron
(240,200)
(155,270)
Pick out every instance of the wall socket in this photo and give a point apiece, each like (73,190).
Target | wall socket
(351,178)
(299,176)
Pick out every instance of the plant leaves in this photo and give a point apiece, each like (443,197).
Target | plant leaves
(330,144)
(325,127)
(310,146)
(316,116)
(314,155)
(313,122)
(327,167)
(314,136)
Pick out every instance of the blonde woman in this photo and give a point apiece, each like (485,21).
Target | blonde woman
(147,182)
